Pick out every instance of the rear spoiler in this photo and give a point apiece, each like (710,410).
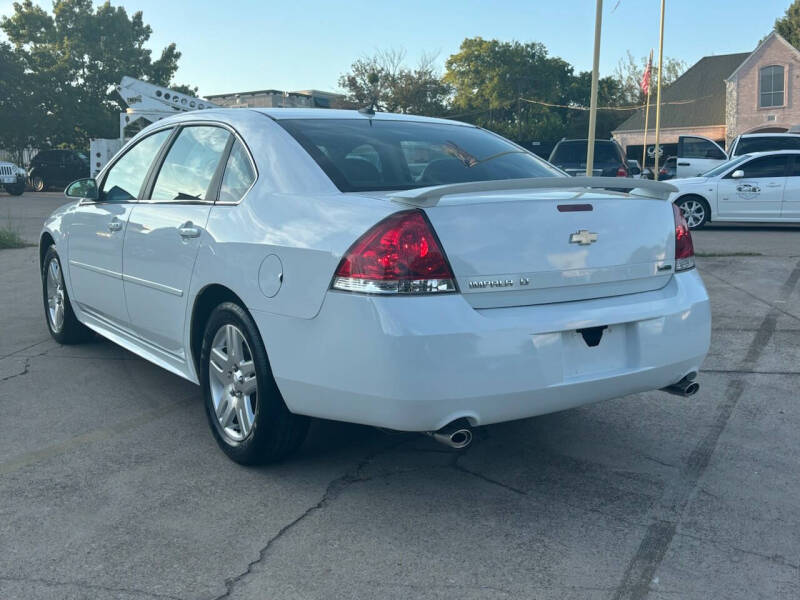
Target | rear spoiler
(430,196)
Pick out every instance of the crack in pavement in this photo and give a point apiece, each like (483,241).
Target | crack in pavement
(636,580)
(752,295)
(89,586)
(25,370)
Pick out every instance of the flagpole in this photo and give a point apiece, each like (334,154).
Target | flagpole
(598,21)
(647,111)
(658,88)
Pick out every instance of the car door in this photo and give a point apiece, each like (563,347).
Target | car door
(756,195)
(697,154)
(790,207)
(165,231)
(96,233)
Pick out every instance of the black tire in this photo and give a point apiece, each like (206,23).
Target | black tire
(697,207)
(15,189)
(275,431)
(38,184)
(71,331)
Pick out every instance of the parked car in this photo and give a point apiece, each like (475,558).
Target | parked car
(609,159)
(50,168)
(698,155)
(669,169)
(634,169)
(757,187)
(12,178)
(290,263)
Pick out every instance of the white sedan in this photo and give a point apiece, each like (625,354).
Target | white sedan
(760,187)
(294,264)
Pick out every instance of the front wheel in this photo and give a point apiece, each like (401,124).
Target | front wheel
(245,409)
(61,320)
(695,210)
(15,189)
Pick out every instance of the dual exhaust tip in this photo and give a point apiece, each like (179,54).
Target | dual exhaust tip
(685,387)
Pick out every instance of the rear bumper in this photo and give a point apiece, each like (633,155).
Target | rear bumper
(417,364)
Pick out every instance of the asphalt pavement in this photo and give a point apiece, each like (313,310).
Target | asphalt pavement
(111,485)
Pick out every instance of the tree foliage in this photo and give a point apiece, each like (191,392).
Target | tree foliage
(384,81)
(789,24)
(629,73)
(65,64)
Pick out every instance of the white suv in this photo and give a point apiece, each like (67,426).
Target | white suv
(12,178)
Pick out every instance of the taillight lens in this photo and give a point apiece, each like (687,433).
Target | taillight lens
(399,255)
(622,172)
(684,249)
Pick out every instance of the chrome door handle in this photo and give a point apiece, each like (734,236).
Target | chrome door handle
(188,230)
(115,225)
(774,185)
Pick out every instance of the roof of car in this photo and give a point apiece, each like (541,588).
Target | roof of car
(760,135)
(335,113)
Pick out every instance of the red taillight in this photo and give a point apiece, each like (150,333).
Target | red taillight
(622,172)
(684,249)
(399,255)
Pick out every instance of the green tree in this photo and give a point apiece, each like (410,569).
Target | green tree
(789,24)
(490,77)
(383,79)
(629,74)
(72,58)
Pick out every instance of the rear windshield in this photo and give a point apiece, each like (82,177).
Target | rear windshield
(574,152)
(374,154)
(766,144)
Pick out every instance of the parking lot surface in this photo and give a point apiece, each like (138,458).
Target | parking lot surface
(112,486)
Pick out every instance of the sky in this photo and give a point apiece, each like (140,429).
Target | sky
(243,45)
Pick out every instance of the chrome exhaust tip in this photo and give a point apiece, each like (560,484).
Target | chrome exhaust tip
(685,387)
(457,438)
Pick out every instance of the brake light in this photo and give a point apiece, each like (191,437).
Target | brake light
(622,172)
(399,255)
(684,249)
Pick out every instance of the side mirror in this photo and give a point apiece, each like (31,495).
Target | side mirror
(737,174)
(83,188)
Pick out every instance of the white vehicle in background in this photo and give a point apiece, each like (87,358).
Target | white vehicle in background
(697,155)
(291,263)
(12,178)
(759,187)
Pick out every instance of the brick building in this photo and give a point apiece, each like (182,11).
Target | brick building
(723,96)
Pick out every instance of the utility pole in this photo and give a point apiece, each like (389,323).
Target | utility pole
(658,89)
(647,109)
(598,22)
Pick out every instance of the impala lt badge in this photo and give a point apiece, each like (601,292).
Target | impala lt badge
(583,237)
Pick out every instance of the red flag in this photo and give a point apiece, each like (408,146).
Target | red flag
(645,84)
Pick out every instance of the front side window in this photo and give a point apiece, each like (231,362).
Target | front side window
(238,177)
(190,164)
(770,82)
(376,154)
(766,166)
(125,178)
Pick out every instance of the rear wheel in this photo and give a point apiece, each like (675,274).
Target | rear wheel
(695,210)
(38,184)
(245,410)
(61,320)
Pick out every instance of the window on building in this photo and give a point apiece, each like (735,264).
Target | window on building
(771,86)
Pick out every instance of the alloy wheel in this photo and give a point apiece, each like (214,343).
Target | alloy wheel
(55,295)
(233,383)
(693,211)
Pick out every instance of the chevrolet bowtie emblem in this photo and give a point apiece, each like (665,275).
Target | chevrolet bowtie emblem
(583,237)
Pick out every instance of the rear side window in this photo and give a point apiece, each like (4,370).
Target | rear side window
(125,178)
(239,175)
(190,164)
(696,147)
(767,144)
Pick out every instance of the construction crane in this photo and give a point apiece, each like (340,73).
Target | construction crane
(146,102)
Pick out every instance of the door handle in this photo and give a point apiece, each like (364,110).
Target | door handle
(188,230)
(684,164)
(774,185)
(115,225)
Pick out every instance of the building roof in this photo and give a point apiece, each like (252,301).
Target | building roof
(701,91)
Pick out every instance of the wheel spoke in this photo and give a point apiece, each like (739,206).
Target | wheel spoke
(247,368)
(249,386)
(218,371)
(59,316)
(227,412)
(244,419)
(218,358)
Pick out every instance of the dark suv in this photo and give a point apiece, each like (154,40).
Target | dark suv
(57,168)
(609,159)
